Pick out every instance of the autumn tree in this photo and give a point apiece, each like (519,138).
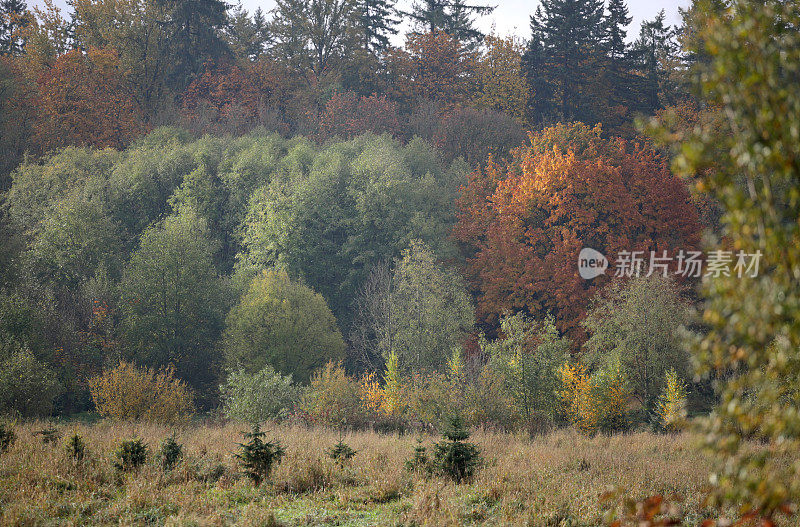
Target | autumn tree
(501,83)
(440,67)
(14,18)
(524,223)
(347,115)
(84,100)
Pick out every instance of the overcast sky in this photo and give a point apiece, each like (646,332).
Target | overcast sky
(510,17)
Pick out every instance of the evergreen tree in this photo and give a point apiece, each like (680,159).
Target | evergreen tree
(247,36)
(13,17)
(565,50)
(454,17)
(654,52)
(378,23)
(196,37)
(618,69)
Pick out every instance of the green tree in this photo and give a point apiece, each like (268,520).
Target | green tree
(753,50)
(637,324)
(454,17)
(430,309)
(172,299)
(564,54)
(257,397)
(14,16)
(283,324)
(29,386)
(527,357)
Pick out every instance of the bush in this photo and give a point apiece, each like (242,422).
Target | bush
(170,453)
(284,324)
(341,453)
(75,447)
(257,397)
(258,457)
(29,386)
(334,399)
(130,455)
(7,437)
(49,435)
(671,406)
(347,115)
(419,461)
(454,457)
(128,392)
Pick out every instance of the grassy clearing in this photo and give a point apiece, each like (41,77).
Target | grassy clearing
(550,481)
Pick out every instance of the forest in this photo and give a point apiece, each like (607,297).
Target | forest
(462,268)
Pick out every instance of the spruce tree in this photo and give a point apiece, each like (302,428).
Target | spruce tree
(454,17)
(13,17)
(653,51)
(378,23)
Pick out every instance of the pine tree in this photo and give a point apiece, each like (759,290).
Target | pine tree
(378,23)
(618,67)
(454,17)
(653,51)
(13,17)
(247,36)
(565,49)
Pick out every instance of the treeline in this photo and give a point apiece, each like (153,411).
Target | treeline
(114,70)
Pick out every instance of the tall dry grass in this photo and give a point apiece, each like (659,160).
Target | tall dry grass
(549,481)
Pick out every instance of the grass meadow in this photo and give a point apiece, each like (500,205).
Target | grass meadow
(553,480)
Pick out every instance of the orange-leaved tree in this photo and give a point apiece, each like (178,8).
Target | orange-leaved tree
(523,224)
(440,67)
(84,99)
(347,115)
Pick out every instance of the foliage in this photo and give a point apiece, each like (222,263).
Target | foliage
(130,454)
(29,386)
(454,457)
(347,115)
(173,299)
(333,398)
(170,453)
(579,397)
(282,324)
(258,397)
(419,461)
(523,223)
(341,453)
(257,457)
(430,311)
(130,392)
(751,62)
(7,436)
(671,407)
(527,358)
(502,84)
(439,67)
(638,326)
(75,447)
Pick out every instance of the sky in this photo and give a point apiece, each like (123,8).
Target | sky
(510,16)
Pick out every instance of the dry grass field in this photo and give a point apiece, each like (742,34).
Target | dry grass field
(550,481)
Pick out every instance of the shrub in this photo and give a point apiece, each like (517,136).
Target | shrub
(284,324)
(671,406)
(419,461)
(258,457)
(257,397)
(130,455)
(341,453)
(333,398)
(75,447)
(579,397)
(129,392)
(7,437)
(170,453)
(29,386)
(454,457)
(49,435)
